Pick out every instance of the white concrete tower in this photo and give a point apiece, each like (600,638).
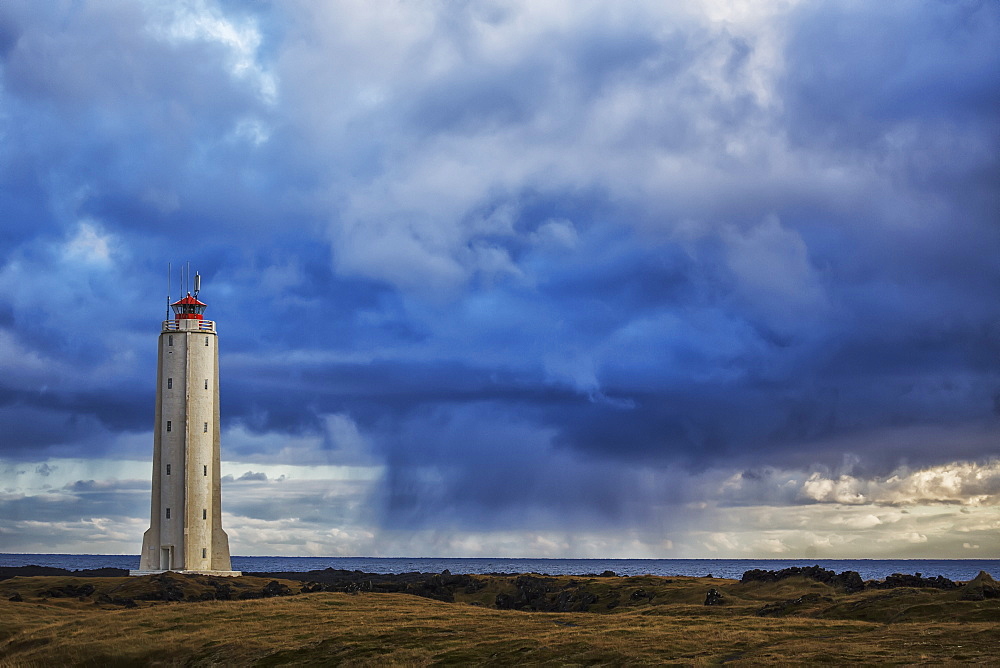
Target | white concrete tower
(185,527)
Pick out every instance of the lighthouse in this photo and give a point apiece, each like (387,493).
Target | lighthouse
(185,526)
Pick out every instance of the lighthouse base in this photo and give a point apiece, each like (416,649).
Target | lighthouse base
(223,574)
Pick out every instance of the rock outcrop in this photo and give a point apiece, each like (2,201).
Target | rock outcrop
(439,586)
(714,597)
(849,581)
(980,588)
(782,608)
(916,580)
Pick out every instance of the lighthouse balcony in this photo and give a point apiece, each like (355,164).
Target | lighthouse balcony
(189,326)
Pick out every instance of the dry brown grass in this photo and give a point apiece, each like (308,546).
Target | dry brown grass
(398,629)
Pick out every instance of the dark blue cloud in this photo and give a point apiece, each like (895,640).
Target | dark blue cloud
(855,74)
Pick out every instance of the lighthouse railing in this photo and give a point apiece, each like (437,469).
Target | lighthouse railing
(175,325)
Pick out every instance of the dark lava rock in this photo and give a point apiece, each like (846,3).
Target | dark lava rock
(540,594)
(16,598)
(164,588)
(474,585)
(982,587)
(714,597)
(609,574)
(440,586)
(849,581)
(7,572)
(100,573)
(355,587)
(275,588)
(203,596)
(69,591)
(574,601)
(901,580)
(784,607)
(504,601)
(532,592)
(124,602)
(223,590)
(640,594)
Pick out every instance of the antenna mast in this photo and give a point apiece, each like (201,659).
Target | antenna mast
(168,291)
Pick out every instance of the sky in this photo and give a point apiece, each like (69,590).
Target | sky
(707,278)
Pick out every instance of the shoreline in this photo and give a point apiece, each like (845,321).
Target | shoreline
(869,569)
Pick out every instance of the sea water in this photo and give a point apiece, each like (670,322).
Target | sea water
(869,569)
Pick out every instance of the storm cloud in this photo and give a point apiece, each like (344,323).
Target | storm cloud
(535,274)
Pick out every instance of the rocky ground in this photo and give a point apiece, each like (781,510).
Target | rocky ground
(796,615)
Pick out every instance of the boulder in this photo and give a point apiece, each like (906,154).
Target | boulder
(275,588)
(640,594)
(982,587)
(714,597)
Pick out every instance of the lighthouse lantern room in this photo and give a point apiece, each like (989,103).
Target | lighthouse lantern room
(188,308)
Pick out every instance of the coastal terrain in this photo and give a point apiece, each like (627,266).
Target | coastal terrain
(797,615)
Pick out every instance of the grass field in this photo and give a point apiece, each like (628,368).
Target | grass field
(667,624)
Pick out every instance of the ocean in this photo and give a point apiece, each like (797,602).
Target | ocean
(870,569)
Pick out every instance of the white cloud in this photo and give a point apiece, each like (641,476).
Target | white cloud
(967,483)
(558,233)
(191,20)
(329,473)
(251,130)
(539,120)
(959,483)
(863,522)
(56,474)
(90,244)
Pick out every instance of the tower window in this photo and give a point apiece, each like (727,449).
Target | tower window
(170,383)
(168,513)
(168,425)
(204,513)
(168,469)
(205,430)
(206,340)
(170,339)
(206,383)
(204,552)
(204,469)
